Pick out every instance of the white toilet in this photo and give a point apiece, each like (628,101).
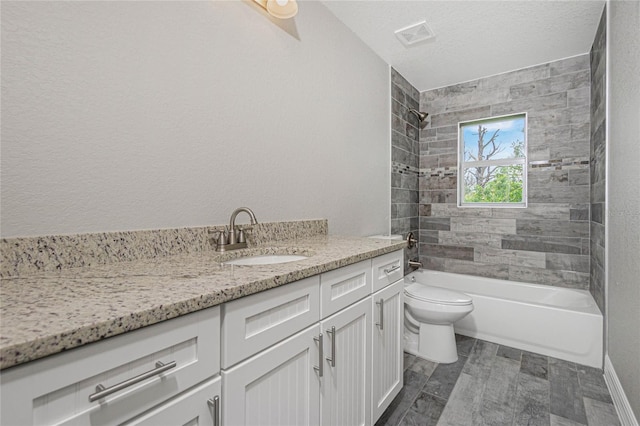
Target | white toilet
(429,316)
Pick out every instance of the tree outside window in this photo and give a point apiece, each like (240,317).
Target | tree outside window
(492,162)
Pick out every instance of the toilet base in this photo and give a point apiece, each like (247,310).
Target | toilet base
(437,343)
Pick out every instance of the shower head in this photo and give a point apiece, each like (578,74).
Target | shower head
(422,116)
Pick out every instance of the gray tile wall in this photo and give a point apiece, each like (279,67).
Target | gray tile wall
(405,160)
(598,162)
(547,242)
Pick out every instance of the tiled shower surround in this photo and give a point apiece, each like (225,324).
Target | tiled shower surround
(405,159)
(598,161)
(546,242)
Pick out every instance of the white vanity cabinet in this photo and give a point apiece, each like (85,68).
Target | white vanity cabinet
(116,379)
(326,374)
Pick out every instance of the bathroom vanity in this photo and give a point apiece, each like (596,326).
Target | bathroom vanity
(317,341)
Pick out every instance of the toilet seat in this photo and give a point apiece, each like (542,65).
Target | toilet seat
(438,295)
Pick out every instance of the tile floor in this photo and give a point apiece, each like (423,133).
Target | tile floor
(496,385)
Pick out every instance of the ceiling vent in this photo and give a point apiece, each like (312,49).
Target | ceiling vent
(414,34)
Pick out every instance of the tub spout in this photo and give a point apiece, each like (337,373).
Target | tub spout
(415,264)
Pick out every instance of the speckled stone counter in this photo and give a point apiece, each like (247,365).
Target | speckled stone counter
(48,312)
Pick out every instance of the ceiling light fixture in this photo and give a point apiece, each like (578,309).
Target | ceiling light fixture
(282,9)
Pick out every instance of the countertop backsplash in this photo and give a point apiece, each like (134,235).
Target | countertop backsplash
(32,255)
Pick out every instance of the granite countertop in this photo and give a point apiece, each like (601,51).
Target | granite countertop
(46,313)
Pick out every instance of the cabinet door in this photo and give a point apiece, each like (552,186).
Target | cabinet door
(346,387)
(388,317)
(279,386)
(199,406)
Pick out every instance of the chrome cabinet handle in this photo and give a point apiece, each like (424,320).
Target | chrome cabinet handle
(332,360)
(381,311)
(102,392)
(214,404)
(320,367)
(390,270)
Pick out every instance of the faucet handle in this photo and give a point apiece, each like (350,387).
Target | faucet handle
(221,238)
(241,237)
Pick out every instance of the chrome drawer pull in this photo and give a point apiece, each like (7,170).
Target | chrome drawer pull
(102,392)
(390,270)
(381,307)
(320,367)
(332,360)
(214,404)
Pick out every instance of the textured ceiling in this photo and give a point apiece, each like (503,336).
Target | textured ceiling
(474,39)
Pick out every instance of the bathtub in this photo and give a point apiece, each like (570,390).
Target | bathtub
(558,322)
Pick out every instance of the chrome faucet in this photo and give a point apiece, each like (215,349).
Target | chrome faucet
(233,240)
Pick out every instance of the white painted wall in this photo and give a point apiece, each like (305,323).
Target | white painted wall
(143,115)
(623,181)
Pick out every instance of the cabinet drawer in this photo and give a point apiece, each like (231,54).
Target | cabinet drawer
(343,287)
(256,322)
(189,408)
(387,269)
(57,389)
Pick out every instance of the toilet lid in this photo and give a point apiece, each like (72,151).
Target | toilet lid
(437,295)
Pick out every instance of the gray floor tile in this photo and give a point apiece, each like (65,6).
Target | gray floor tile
(566,394)
(597,393)
(464,344)
(590,375)
(535,365)
(425,411)
(444,378)
(463,406)
(511,353)
(413,384)
(481,359)
(592,384)
(423,366)
(494,385)
(561,421)
(408,360)
(499,396)
(532,402)
(600,413)
(562,363)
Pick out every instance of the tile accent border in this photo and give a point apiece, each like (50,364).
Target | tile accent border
(553,164)
(560,164)
(439,172)
(404,168)
(620,401)
(24,256)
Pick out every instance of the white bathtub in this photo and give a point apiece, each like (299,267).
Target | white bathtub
(553,321)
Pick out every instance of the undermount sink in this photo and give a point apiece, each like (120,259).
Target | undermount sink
(266,259)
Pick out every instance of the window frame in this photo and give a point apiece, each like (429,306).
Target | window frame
(462,165)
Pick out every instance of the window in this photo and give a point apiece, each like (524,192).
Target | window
(492,160)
